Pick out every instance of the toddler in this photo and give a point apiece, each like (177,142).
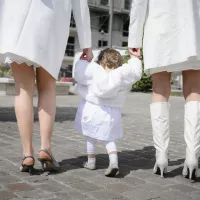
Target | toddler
(103,86)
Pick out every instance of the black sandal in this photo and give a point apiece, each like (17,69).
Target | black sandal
(49,164)
(27,167)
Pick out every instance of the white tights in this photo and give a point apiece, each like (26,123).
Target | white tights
(110,147)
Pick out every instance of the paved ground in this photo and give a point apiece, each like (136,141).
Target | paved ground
(136,181)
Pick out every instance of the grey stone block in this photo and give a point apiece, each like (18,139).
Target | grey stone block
(86,187)
(120,187)
(105,194)
(139,194)
(5,195)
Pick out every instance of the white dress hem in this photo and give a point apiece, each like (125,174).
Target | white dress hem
(9,58)
(176,68)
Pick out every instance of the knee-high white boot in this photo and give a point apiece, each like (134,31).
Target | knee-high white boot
(161,134)
(192,138)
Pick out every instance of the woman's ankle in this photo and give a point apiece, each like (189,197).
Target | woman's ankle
(46,148)
(28,152)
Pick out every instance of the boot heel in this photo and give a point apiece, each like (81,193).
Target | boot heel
(189,170)
(160,170)
(192,172)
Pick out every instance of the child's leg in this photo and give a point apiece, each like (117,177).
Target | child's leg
(113,168)
(112,151)
(91,149)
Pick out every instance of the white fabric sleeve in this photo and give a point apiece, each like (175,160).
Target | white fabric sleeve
(137,20)
(82,18)
(83,72)
(108,85)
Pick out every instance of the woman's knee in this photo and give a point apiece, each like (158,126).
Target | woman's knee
(45,82)
(24,78)
(191,85)
(161,86)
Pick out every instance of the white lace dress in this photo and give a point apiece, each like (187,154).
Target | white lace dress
(36,32)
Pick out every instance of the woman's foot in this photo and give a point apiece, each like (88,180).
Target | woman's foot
(190,167)
(161,164)
(47,161)
(27,164)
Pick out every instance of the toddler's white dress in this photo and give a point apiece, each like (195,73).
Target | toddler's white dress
(99,113)
(36,31)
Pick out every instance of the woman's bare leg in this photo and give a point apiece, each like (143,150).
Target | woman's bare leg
(46,85)
(24,86)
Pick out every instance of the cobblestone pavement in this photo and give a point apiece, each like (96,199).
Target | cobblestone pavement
(136,157)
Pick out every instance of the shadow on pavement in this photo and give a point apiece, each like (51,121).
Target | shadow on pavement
(62,114)
(128,161)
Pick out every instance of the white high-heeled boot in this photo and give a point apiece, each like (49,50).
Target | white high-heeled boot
(192,138)
(161,134)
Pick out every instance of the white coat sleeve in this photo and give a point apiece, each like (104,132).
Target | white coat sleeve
(123,76)
(82,18)
(137,20)
(83,72)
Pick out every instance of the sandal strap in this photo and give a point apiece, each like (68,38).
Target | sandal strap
(47,152)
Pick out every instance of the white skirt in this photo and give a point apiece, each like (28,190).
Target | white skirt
(99,122)
(34,32)
(171,39)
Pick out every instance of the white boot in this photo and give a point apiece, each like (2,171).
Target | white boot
(161,134)
(192,138)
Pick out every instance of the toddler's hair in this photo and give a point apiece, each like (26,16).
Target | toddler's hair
(110,58)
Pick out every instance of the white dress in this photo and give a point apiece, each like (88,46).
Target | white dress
(36,31)
(171,39)
(100,122)
(99,113)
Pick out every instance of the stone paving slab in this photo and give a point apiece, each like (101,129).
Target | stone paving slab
(136,157)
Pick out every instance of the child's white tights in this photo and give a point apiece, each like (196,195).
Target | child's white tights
(110,147)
